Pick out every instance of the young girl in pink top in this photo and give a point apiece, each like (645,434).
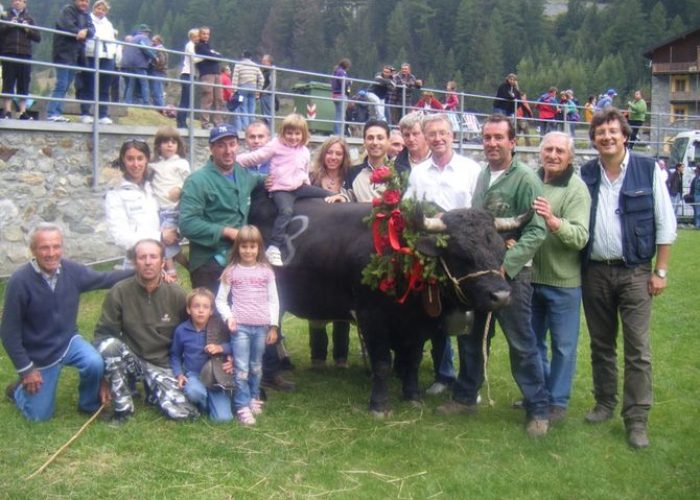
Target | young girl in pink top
(247,301)
(289,176)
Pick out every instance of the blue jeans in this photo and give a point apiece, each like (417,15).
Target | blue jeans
(247,344)
(184,101)
(156,88)
(40,406)
(64,78)
(558,310)
(442,354)
(131,85)
(247,107)
(215,402)
(88,87)
(525,364)
(338,124)
(266,107)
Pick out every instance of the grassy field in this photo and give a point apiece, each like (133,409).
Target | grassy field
(320,441)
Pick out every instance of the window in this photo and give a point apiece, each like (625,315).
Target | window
(680,83)
(679,112)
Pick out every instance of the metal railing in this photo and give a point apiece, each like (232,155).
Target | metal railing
(472,109)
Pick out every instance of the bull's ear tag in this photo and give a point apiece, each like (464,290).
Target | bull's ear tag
(430,296)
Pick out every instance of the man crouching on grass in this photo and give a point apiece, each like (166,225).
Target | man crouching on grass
(134,334)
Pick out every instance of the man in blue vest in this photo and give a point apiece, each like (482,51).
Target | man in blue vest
(631,220)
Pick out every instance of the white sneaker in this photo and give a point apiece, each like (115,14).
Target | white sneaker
(105,120)
(58,118)
(256,407)
(274,255)
(436,388)
(245,417)
(86,119)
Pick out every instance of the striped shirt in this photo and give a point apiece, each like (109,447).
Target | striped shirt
(249,295)
(246,73)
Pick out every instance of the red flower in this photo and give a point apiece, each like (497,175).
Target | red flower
(381,175)
(376,202)
(391,196)
(387,284)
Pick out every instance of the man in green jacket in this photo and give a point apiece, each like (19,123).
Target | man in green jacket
(507,188)
(134,333)
(556,267)
(637,113)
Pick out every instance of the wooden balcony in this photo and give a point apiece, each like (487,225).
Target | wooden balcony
(691,96)
(676,68)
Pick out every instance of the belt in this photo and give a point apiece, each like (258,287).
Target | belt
(610,262)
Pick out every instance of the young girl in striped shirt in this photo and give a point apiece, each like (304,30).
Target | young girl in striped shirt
(247,302)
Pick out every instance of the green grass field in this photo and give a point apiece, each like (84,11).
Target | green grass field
(320,441)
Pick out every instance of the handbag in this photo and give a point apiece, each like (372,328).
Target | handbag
(213,375)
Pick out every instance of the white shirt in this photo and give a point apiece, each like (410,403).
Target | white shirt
(607,243)
(449,188)
(104,31)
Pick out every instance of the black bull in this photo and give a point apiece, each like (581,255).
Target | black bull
(329,246)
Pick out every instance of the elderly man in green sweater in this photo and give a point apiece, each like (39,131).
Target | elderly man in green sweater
(556,270)
(637,113)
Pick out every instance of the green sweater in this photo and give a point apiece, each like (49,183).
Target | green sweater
(558,260)
(637,110)
(511,195)
(209,203)
(143,321)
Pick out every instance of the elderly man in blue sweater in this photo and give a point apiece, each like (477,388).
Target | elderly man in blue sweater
(39,330)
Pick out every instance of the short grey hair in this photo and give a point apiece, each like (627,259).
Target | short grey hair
(410,120)
(43,227)
(556,133)
(436,117)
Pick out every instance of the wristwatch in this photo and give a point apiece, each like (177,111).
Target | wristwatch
(661,273)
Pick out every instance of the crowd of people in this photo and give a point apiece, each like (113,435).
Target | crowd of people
(601,239)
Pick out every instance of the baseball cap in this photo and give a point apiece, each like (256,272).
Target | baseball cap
(144,28)
(611,92)
(222,131)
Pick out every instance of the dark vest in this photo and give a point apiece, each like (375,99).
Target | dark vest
(635,208)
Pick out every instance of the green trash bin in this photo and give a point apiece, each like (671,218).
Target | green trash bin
(307,104)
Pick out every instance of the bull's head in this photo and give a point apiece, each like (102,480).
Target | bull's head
(473,256)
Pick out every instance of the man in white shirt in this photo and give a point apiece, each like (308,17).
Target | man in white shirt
(631,220)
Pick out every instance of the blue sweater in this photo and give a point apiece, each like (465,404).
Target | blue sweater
(187,350)
(38,323)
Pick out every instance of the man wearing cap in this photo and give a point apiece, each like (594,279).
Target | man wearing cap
(606,100)
(135,60)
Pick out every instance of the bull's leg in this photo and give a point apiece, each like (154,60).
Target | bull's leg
(380,361)
(410,363)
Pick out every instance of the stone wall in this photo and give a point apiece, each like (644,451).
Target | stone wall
(46,174)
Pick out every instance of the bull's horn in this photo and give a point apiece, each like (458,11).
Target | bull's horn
(434,224)
(510,223)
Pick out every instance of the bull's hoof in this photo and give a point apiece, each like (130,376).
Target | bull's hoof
(380,414)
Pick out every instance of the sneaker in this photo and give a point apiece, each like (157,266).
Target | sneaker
(58,118)
(10,390)
(599,414)
(453,407)
(278,383)
(25,116)
(274,255)
(556,414)
(86,119)
(105,120)
(6,115)
(245,416)
(256,406)
(637,437)
(537,427)
(436,388)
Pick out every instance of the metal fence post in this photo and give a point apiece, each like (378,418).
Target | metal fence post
(95,81)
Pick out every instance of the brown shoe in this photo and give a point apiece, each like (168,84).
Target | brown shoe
(556,414)
(599,414)
(453,407)
(537,427)
(637,438)
(278,383)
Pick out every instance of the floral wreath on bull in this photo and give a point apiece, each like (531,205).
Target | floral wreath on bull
(397,268)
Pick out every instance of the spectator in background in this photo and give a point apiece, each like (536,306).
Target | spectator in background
(158,67)
(340,72)
(396,144)
(524,114)
(257,134)
(428,103)
(637,113)
(266,98)
(247,80)
(188,66)
(210,94)
(694,194)
(547,107)
(589,108)
(135,60)
(506,96)
(227,91)
(16,42)
(405,85)
(451,105)
(105,51)
(379,91)
(68,50)
(675,187)
(606,100)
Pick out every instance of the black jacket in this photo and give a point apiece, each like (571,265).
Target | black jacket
(16,40)
(66,49)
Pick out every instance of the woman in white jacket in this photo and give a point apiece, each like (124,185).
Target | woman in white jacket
(131,209)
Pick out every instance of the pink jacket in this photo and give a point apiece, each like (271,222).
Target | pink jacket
(289,167)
